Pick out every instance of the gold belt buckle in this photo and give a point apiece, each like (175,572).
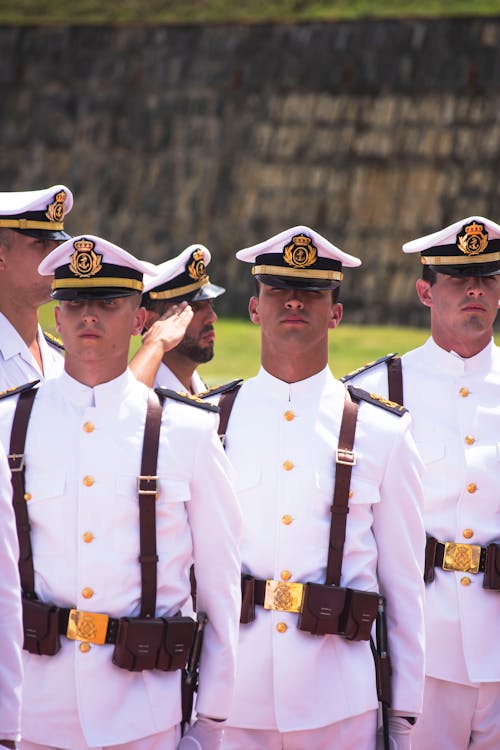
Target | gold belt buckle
(87,626)
(462,557)
(287,597)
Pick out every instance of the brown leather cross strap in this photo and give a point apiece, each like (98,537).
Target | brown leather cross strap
(395,379)
(226,402)
(147,488)
(345,460)
(17,465)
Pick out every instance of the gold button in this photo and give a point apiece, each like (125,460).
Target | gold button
(285,575)
(88,593)
(465,581)
(289,415)
(471,488)
(281,627)
(286,519)
(464,392)
(470,439)
(288,465)
(27,496)
(84,648)
(88,427)
(351,493)
(88,537)
(88,481)
(468,533)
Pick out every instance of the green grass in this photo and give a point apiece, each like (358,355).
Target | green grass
(238,344)
(24,12)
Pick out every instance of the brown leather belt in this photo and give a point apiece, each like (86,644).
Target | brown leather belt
(259,591)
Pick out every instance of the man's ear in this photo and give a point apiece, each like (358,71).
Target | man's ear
(424,291)
(253,310)
(139,321)
(57,311)
(335,314)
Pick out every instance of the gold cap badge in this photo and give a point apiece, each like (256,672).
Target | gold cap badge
(196,269)
(84,261)
(473,239)
(55,210)
(300,252)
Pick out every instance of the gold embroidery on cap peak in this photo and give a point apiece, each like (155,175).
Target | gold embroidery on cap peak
(300,252)
(473,239)
(84,261)
(196,268)
(55,210)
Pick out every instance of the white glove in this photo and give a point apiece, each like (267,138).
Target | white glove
(399,734)
(204,734)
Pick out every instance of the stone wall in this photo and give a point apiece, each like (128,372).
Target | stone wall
(372,132)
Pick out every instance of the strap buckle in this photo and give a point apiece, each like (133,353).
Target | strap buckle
(150,486)
(462,557)
(90,627)
(345,457)
(283,596)
(16,461)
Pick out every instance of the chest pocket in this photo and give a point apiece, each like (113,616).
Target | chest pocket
(431,450)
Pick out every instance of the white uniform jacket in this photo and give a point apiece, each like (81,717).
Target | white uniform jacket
(83,457)
(281,439)
(165,378)
(11,637)
(455,408)
(17,364)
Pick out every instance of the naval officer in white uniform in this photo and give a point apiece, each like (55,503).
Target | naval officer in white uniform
(31,226)
(451,385)
(82,462)
(180,297)
(296,690)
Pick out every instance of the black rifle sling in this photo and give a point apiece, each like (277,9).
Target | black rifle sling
(345,460)
(147,488)
(17,467)
(395,380)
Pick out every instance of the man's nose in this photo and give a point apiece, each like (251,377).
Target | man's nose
(294,302)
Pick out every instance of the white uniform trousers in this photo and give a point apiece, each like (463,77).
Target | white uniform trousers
(162,741)
(458,717)
(353,733)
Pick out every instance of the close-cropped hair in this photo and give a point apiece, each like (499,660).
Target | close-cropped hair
(429,275)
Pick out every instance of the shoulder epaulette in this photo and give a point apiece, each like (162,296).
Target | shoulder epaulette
(358,394)
(368,366)
(186,398)
(53,340)
(218,389)
(18,389)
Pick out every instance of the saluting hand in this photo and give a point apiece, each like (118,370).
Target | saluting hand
(204,734)
(169,330)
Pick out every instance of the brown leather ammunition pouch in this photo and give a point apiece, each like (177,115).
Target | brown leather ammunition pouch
(359,614)
(41,627)
(333,610)
(153,643)
(491,578)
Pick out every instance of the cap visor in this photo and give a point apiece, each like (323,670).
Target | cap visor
(284,282)
(82,294)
